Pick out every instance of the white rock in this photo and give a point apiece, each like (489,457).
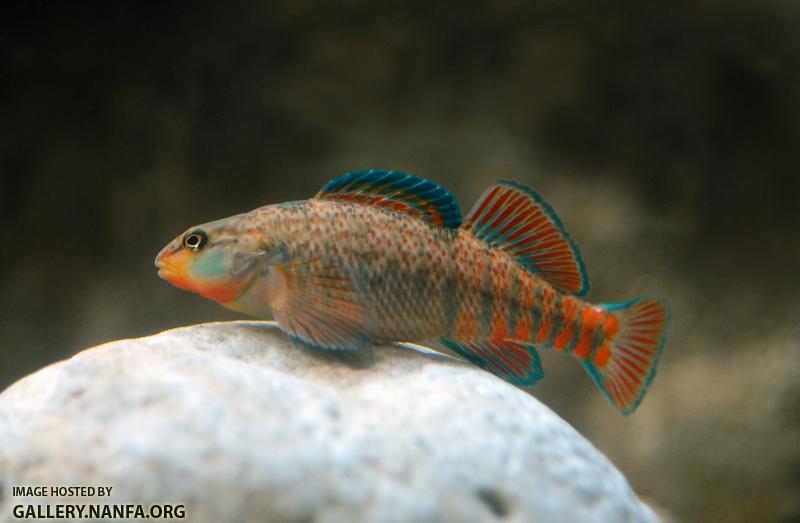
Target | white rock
(239,424)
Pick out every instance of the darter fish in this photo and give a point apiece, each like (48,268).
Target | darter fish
(384,256)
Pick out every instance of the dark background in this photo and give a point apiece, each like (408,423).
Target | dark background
(665,134)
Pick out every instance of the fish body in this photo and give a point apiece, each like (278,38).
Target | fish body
(383,256)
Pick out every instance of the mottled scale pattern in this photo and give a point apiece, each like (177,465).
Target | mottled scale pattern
(383,255)
(418,281)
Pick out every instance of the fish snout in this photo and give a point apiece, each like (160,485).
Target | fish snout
(164,259)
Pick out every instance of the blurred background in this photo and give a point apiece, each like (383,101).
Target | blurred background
(664,134)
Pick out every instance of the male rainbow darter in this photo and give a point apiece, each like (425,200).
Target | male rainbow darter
(383,256)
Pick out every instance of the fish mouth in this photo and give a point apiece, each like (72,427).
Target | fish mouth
(165,271)
(161,266)
(174,277)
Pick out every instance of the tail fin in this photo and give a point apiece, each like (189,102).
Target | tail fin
(624,370)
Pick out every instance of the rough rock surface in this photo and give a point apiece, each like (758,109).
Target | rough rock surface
(239,424)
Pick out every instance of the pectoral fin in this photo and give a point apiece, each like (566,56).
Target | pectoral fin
(320,306)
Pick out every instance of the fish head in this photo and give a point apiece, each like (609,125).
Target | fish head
(217,260)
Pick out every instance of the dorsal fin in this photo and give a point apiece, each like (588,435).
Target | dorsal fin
(397,191)
(514,218)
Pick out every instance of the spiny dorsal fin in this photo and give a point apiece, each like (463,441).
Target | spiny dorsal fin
(397,191)
(514,218)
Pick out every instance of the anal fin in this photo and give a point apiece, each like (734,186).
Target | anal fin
(515,362)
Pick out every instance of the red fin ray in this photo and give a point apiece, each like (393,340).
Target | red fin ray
(514,218)
(397,191)
(625,370)
(515,362)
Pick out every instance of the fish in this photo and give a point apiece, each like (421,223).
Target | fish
(384,256)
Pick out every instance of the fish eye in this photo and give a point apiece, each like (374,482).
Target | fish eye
(195,240)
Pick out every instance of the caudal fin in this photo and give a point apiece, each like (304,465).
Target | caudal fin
(624,368)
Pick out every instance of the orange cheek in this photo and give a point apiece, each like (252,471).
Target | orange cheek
(177,274)
(219,293)
(178,280)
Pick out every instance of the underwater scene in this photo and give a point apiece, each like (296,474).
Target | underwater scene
(500,181)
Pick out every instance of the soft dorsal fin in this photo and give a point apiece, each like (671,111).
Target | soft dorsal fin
(397,191)
(514,218)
